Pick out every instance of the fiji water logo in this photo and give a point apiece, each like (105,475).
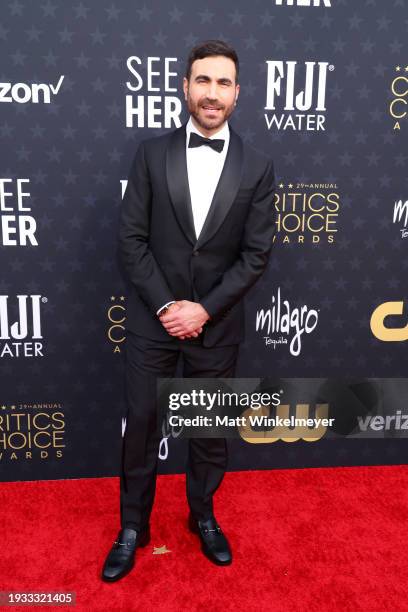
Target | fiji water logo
(296,95)
(20,326)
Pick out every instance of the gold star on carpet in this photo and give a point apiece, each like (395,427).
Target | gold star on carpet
(160,550)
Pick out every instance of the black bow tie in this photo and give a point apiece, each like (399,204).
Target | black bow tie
(196,141)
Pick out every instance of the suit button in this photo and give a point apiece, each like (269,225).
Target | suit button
(196,253)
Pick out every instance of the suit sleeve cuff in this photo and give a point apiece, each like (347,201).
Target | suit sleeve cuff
(164,306)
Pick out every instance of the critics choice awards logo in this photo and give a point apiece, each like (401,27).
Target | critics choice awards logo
(116,316)
(306,213)
(29,431)
(399,96)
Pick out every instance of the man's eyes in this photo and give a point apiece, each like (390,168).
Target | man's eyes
(225,84)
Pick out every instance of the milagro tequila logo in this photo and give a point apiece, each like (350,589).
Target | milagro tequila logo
(283,324)
(304,100)
(168,431)
(22,337)
(401,216)
(152,107)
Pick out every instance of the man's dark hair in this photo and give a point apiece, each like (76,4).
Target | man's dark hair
(209,48)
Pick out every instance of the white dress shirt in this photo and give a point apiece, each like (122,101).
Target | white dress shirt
(204,167)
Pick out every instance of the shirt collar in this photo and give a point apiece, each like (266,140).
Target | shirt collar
(224,132)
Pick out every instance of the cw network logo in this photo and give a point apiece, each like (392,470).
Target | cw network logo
(380,330)
(34,92)
(283,432)
(303,2)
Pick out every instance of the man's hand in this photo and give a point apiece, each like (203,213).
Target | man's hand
(194,334)
(184,319)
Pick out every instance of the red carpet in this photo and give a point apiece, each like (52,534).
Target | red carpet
(303,540)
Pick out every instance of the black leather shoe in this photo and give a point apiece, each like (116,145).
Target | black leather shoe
(214,544)
(121,557)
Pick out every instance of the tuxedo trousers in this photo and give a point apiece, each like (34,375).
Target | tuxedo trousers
(145,361)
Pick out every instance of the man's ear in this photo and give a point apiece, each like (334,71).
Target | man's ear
(236,92)
(185,87)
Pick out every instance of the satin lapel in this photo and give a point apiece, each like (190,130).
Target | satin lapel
(226,190)
(177,181)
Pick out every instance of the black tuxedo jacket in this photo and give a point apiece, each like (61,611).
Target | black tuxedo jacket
(157,244)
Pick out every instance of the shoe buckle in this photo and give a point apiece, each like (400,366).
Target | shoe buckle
(216,529)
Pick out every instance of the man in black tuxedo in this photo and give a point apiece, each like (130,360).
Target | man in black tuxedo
(196,231)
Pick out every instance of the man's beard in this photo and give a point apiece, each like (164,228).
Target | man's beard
(209,123)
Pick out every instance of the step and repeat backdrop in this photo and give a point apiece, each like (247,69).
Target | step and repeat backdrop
(324,92)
